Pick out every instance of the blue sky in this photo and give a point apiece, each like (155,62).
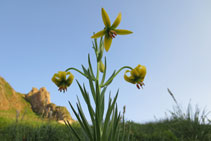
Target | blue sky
(171,38)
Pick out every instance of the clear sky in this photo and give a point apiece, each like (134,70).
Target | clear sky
(172,38)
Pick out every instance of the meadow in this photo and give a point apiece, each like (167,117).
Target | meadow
(179,126)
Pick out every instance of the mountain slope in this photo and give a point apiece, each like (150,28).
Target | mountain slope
(11,101)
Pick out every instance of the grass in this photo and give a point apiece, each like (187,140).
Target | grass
(185,126)
(191,125)
(36,131)
(165,130)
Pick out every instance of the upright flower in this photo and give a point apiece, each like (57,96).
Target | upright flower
(110,31)
(137,76)
(63,80)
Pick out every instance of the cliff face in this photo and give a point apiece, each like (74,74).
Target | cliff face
(41,104)
(36,100)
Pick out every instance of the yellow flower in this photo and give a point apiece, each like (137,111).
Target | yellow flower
(62,80)
(137,76)
(110,31)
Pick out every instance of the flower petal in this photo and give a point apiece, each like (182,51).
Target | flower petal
(55,80)
(117,21)
(135,73)
(129,79)
(142,72)
(62,75)
(139,72)
(123,31)
(99,34)
(106,19)
(70,79)
(107,42)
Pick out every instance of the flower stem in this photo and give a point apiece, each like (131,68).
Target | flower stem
(77,71)
(125,67)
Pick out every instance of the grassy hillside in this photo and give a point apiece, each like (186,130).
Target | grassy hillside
(13,103)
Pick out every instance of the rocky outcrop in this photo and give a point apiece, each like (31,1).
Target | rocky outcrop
(38,99)
(56,112)
(41,104)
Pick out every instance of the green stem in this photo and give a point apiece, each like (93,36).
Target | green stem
(98,71)
(77,71)
(125,67)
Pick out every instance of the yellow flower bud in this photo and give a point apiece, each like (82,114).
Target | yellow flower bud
(101,66)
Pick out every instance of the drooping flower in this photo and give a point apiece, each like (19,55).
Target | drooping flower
(63,80)
(110,31)
(137,76)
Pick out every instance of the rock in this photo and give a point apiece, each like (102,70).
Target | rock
(41,104)
(38,99)
(62,113)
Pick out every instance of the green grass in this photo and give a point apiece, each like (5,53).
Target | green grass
(165,130)
(35,131)
(191,125)
(170,130)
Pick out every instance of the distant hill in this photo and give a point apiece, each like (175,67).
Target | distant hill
(35,104)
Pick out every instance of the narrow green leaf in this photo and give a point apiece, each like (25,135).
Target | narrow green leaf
(110,78)
(111,125)
(77,116)
(84,69)
(93,46)
(106,122)
(95,40)
(102,103)
(91,111)
(115,123)
(90,66)
(85,122)
(108,114)
(92,90)
(87,100)
(72,129)
(82,91)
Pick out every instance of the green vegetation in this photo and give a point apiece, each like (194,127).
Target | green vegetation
(36,131)
(192,125)
(180,126)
